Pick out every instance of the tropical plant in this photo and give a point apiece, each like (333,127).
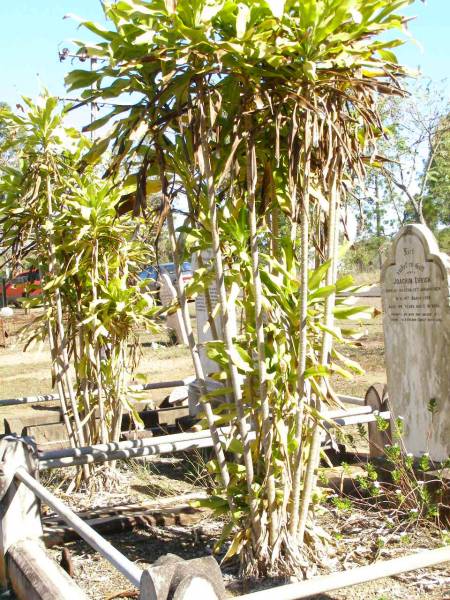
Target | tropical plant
(67,225)
(254,110)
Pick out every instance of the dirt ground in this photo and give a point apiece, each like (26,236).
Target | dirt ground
(357,536)
(28,373)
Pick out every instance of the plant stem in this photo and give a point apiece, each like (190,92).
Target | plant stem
(314,452)
(62,354)
(60,388)
(97,352)
(302,350)
(198,368)
(266,417)
(204,160)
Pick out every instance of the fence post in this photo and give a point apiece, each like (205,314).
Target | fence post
(171,576)
(19,508)
(376,397)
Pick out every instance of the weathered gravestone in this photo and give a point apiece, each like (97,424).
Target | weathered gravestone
(208,314)
(209,328)
(168,294)
(416,322)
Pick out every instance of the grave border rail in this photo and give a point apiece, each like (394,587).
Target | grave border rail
(142,579)
(166,444)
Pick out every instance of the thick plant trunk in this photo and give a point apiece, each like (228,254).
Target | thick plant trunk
(60,388)
(61,357)
(314,452)
(198,368)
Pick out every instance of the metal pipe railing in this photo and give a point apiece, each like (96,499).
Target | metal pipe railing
(342,579)
(351,399)
(159,385)
(116,558)
(125,445)
(179,442)
(361,419)
(123,450)
(346,412)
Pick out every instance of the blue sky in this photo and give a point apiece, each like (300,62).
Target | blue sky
(33,30)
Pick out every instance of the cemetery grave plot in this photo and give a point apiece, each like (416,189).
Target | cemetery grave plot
(100,581)
(146,543)
(381,540)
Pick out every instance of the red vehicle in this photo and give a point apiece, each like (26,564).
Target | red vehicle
(24,285)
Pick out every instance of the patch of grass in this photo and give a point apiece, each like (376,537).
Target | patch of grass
(154,483)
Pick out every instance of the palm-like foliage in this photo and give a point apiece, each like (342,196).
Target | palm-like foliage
(259,112)
(67,225)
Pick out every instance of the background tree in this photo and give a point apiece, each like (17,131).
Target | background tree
(407,180)
(418,138)
(436,202)
(5,152)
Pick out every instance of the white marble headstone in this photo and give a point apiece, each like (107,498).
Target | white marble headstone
(206,317)
(167,295)
(416,322)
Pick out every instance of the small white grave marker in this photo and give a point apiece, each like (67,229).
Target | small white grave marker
(168,294)
(205,317)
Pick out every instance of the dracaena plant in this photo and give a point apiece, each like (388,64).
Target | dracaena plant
(267,108)
(67,225)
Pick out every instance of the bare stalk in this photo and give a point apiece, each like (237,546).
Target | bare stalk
(97,350)
(293,174)
(198,368)
(61,350)
(275,222)
(303,337)
(266,416)
(314,452)
(193,347)
(120,389)
(204,161)
(60,388)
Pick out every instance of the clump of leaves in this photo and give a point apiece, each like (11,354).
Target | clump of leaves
(407,489)
(66,224)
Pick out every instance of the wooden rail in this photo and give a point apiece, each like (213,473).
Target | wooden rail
(34,576)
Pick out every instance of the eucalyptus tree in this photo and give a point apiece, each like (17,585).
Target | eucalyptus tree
(259,112)
(66,223)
